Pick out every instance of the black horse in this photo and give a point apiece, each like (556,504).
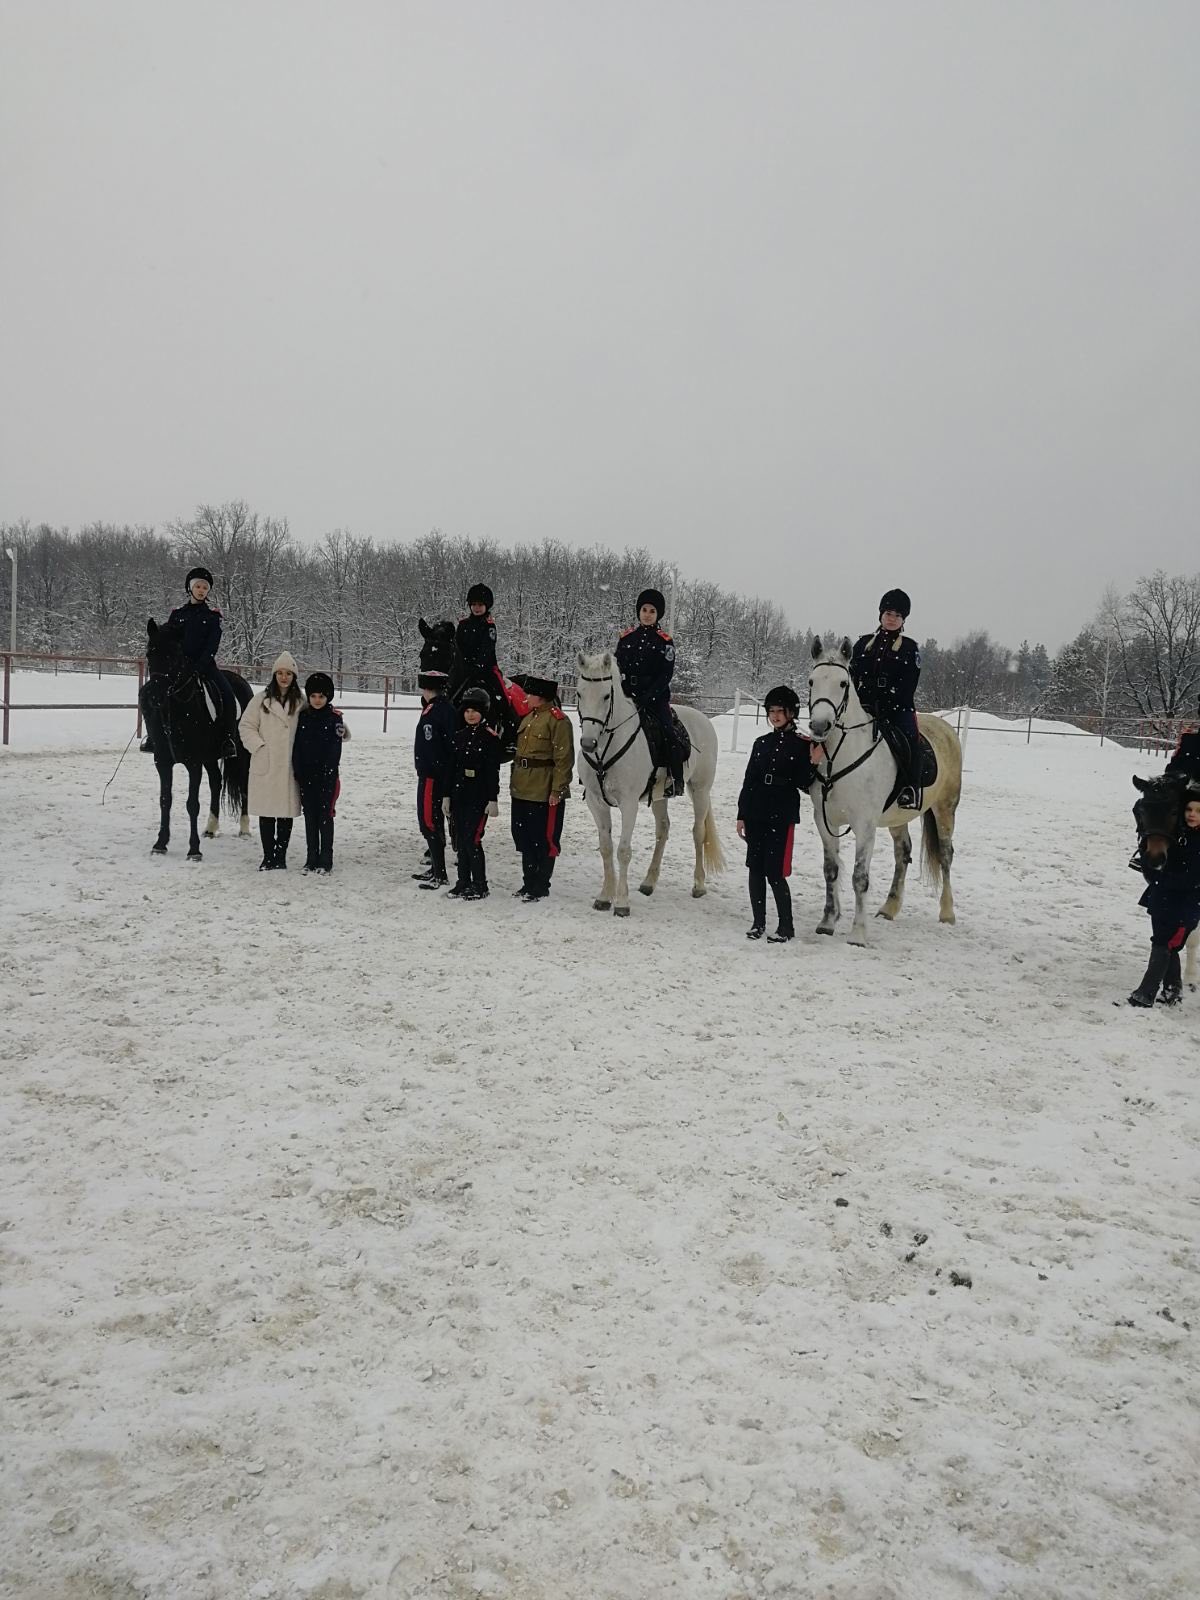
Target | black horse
(440,653)
(1158,813)
(182,730)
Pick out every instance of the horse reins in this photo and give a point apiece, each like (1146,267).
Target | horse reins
(602,764)
(839,711)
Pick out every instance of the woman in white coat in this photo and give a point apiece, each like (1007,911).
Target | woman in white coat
(268,729)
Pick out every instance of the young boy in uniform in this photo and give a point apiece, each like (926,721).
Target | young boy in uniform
(779,769)
(433,753)
(541,783)
(474,793)
(316,758)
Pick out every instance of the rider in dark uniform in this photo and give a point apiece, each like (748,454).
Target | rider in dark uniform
(476,635)
(885,666)
(646,662)
(1186,757)
(779,768)
(199,625)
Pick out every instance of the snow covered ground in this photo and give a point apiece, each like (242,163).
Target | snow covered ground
(360,1243)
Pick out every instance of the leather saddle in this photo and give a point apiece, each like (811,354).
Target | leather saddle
(927,769)
(653,729)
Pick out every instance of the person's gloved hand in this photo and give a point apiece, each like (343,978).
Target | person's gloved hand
(493,808)
(446,806)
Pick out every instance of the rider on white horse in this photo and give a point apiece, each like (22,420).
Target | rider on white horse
(886,667)
(646,661)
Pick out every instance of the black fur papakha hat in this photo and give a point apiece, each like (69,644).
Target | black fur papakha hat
(652,597)
(319,683)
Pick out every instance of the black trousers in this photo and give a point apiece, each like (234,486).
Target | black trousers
(317,806)
(537,831)
(769,861)
(432,823)
(470,821)
(275,833)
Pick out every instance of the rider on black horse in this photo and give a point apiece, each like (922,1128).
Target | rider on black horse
(646,662)
(1186,756)
(885,666)
(199,627)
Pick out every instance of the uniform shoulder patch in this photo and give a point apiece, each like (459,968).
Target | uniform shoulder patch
(663,635)
(627,632)
(492,731)
(216,611)
(557,713)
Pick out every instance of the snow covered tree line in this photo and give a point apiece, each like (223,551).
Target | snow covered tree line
(351,602)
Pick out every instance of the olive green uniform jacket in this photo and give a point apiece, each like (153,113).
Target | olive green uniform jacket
(545,760)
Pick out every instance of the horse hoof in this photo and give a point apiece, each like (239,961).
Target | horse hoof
(620,911)
(158,850)
(859,940)
(645,888)
(947,917)
(823,929)
(698,893)
(194,855)
(601,905)
(208,835)
(888,916)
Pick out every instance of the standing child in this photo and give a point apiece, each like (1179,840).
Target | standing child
(474,793)
(779,768)
(1172,897)
(541,784)
(316,757)
(433,752)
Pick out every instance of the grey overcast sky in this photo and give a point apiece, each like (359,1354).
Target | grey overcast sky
(812,298)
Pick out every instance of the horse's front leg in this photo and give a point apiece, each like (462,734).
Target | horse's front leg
(902,848)
(603,820)
(629,813)
(662,829)
(214,799)
(159,847)
(832,848)
(701,800)
(193,811)
(864,848)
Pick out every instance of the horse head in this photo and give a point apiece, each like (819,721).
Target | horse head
(830,690)
(164,649)
(1158,813)
(595,697)
(439,650)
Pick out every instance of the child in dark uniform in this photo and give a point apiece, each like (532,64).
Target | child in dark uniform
(316,758)
(474,793)
(1172,897)
(779,768)
(433,751)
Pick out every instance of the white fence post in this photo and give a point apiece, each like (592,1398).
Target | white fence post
(737,711)
(966,728)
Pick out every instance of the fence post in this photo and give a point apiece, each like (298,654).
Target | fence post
(737,711)
(966,728)
(141,682)
(386,685)
(7,687)
(1029,729)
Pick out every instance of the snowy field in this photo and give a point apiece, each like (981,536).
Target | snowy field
(357,1243)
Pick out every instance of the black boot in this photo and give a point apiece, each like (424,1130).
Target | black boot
(283,837)
(1156,969)
(677,784)
(783,906)
(266,832)
(1172,984)
(758,906)
(147,746)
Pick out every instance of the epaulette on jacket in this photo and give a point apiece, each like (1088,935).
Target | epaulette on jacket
(627,632)
(557,713)
(663,635)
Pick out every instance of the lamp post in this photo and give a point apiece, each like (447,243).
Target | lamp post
(12,625)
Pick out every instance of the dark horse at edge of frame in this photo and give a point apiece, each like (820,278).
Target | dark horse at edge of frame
(440,653)
(183,731)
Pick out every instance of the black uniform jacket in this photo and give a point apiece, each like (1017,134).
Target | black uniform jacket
(885,668)
(433,748)
(475,775)
(201,626)
(646,662)
(317,749)
(779,769)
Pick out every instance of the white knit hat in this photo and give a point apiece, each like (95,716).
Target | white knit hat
(287,661)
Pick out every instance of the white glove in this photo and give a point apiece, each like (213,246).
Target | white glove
(446,806)
(493,808)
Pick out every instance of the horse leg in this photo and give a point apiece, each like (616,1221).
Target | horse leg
(603,818)
(902,846)
(944,817)
(864,847)
(159,847)
(662,829)
(629,813)
(214,799)
(701,799)
(193,811)
(833,909)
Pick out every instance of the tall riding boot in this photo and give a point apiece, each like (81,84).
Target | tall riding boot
(266,832)
(283,836)
(437,864)
(783,905)
(758,905)
(327,845)
(677,784)
(479,883)
(1156,969)
(1172,984)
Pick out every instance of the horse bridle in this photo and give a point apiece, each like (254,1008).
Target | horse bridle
(600,764)
(839,711)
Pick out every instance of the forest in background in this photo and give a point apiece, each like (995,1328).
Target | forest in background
(351,602)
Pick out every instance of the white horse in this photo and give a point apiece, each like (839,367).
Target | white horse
(617,770)
(856,774)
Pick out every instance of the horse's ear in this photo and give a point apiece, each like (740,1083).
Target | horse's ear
(816,648)
(580,660)
(1141,783)
(151,627)
(423,627)
(847,648)
(606,664)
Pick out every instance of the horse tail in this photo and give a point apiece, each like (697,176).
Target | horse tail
(931,846)
(714,856)
(235,784)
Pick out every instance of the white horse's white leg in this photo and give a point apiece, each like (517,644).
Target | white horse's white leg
(701,799)
(1189,971)
(662,829)
(629,813)
(832,848)
(244,826)
(864,848)
(945,827)
(211,826)
(603,820)
(902,848)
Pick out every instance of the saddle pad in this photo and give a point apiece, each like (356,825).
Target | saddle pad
(652,728)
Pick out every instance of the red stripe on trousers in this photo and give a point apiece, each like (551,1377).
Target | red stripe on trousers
(480,828)
(551,819)
(427,803)
(787,850)
(1178,939)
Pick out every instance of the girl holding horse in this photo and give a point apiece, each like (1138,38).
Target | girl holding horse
(268,731)
(779,770)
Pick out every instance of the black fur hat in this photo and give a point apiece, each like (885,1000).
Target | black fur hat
(895,600)
(480,595)
(544,688)
(433,680)
(319,683)
(785,697)
(652,597)
(198,572)
(476,696)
